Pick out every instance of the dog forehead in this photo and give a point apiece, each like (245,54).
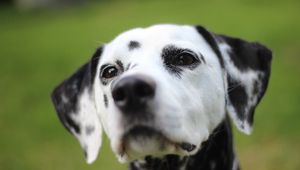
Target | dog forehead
(151,41)
(160,31)
(157,35)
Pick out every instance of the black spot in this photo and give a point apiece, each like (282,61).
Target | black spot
(255,88)
(246,55)
(105,100)
(127,67)
(202,58)
(133,45)
(120,64)
(85,148)
(89,129)
(250,116)
(212,42)
(85,154)
(238,97)
(94,62)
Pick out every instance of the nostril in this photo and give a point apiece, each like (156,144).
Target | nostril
(119,94)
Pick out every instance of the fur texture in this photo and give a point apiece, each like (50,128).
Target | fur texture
(196,78)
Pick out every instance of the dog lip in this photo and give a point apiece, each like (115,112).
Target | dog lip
(187,146)
(141,130)
(150,132)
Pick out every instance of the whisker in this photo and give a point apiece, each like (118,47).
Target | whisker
(231,88)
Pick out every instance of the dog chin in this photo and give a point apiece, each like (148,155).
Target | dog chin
(142,141)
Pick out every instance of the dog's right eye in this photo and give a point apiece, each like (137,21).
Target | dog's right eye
(109,72)
(184,59)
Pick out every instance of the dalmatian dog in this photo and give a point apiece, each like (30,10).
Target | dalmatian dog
(165,96)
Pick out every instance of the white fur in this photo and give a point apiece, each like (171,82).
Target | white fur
(87,116)
(185,110)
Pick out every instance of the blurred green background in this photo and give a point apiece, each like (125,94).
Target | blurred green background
(41,47)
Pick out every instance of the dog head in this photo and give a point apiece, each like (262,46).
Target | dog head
(162,90)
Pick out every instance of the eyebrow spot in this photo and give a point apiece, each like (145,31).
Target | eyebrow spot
(105,100)
(167,53)
(128,66)
(202,58)
(133,45)
(120,64)
(89,129)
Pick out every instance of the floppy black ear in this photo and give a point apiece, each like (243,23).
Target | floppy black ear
(246,68)
(74,102)
(247,65)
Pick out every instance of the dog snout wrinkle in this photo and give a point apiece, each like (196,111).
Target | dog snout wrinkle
(132,93)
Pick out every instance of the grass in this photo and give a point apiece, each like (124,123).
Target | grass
(40,48)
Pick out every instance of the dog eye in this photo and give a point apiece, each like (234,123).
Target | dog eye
(184,59)
(109,72)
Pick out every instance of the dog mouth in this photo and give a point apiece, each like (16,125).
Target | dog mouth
(147,140)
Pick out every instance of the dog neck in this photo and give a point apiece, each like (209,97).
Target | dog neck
(217,153)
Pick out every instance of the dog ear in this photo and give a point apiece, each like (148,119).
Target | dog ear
(74,102)
(246,68)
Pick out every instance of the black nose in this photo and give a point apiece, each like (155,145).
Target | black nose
(132,93)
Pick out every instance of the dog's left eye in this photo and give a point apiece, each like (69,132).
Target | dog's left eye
(184,59)
(109,72)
